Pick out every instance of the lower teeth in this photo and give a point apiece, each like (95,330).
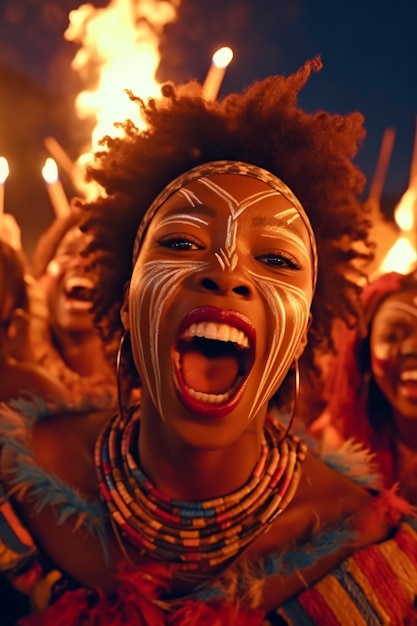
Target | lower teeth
(213,398)
(210,398)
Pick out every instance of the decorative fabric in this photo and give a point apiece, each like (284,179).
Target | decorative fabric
(227,167)
(376,586)
(230,600)
(194,533)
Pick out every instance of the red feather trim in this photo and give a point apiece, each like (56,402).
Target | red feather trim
(215,614)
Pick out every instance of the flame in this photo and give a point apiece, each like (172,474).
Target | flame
(404,213)
(403,255)
(120,44)
(400,258)
(4,170)
(50,171)
(222,57)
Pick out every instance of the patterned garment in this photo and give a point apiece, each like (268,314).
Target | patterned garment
(375,586)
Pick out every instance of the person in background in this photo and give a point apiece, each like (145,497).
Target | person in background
(373,389)
(198,506)
(20,375)
(66,341)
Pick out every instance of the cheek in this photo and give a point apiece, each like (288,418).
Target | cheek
(383,359)
(287,313)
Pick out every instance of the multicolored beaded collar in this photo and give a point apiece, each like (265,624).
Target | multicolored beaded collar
(193,534)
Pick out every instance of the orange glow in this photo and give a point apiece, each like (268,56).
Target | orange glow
(4,170)
(404,213)
(222,57)
(120,45)
(403,255)
(50,171)
(54,188)
(400,258)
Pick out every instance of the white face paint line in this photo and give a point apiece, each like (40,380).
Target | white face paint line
(300,308)
(165,282)
(229,258)
(402,307)
(183,219)
(293,238)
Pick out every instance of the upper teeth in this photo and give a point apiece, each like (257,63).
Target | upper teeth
(79,281)
(409,375)
(221,332)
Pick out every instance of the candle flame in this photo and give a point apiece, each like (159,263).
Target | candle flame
(4,170)
(50,171)
(222,57)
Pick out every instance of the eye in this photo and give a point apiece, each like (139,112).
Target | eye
(279,260)
(180,241)
(395,334)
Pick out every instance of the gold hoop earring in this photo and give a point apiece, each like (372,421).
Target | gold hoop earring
(296,369)
(124,341)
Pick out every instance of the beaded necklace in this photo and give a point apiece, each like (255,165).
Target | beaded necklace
(193,534)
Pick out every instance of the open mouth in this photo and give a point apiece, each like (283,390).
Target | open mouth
(408,384)
(213,357)
(79,291)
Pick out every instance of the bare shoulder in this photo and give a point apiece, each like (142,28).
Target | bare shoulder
(23,379)
(324,499)
(321,483)
(63,445)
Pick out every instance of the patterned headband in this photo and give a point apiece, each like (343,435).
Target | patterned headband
(227,167)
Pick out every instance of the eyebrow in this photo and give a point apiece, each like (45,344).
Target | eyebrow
(199,209)
(278,223)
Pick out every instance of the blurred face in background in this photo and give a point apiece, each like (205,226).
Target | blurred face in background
(393,344)
(14,338)
(68,287)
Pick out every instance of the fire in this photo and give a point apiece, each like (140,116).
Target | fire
(4,169)
(120,45)
(50,171)
(402,255)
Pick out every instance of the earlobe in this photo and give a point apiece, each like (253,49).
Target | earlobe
(304,339)
(124,315)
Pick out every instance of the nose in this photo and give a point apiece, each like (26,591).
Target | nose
(224,283)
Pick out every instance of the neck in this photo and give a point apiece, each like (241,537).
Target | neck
(82,352)
(406,431)
(188,473)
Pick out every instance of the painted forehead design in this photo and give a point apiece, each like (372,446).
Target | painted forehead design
(227,167)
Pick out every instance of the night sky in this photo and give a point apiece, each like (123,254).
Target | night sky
(368,50)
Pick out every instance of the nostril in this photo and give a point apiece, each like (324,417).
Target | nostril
(242,290)
(209,284)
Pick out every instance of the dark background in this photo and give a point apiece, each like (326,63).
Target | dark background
(368,48)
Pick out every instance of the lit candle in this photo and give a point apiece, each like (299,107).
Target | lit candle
(220,60)
(55,189)
(4,172)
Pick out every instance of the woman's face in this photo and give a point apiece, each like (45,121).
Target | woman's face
(68,287)
(393,344)
(219,302)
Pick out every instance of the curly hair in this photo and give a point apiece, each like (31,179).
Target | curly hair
(311,152)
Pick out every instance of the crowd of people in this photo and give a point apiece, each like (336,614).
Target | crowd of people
(166,351)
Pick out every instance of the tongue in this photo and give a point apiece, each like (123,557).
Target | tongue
(215,374)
